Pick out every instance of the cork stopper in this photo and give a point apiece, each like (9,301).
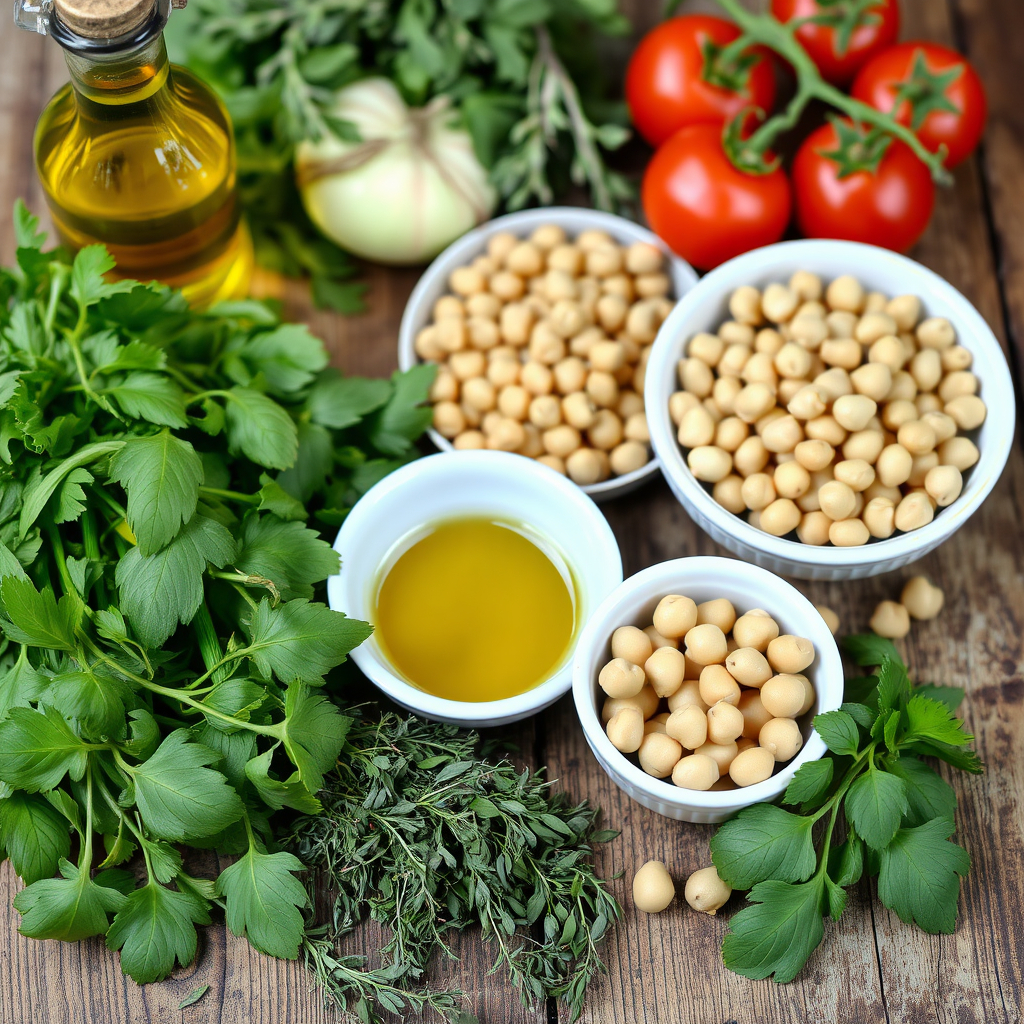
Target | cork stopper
(104,19)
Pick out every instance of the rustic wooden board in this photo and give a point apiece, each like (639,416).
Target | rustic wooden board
(871,967)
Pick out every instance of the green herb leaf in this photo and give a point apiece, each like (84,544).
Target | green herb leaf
(763,842)
(893,685)
(407,413)
(34,834)
(38,748)
(870,649)
(918,875)
(341,402)
(929,719)
(20,685)
(260,429)
(38,619)
(779,932)
(288,357)
(839,731)
(152,397)
(88,285)
(178,796)
(951,696)
(875,804)
(313,732)
(263,898)
(274,498)
(287,553)
(292,792)
(94,699)
(846,861)
(161,475)
(155,928)
(193,997)
(810,783)
(69,908)
(928,795)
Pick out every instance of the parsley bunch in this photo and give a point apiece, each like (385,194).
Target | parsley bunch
(163,650)
(425,835)
(896,810)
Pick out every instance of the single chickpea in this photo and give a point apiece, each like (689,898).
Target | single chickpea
(452,334)
(532,446)
(814,527)
(783,695)
(728,492)
(781,737)
(733,333)
(917,437)
(644,258)
(898,412)
(502,372)
(479,393)
(779,302)
(621,678)
(484,306)
(848,533)
(880,517)
(873,326)
(926,369)
(944,484)
(748,666)
(725,722)
(891,620)
(709,463)
(758,491)
(914,511)
(602,388)
(507,286)
(675,616)
(904,388)
(603,261)
(733,360)
(760,368)
(697,428)
(750,457)
(562,440)
(555,462)
(688,726)
(968,411)
(449,420)
(695,376)
(956,357)
(888,351)
(566,259)
(855,473)
(665,669)
(474,417)
(608,355)
(752,766)
(482,334)
(514,401)
(688,693)
(791,361)
(578,410)
(783,434)
(845,293)
(525,259)
(809,329)
(790,654)
(656,724)
(625,729)
(745,305)
(695,771)
(706,644)
(865,445)
(935,332)
(708,348)
(449,306)
(500,245)
(570,375)
(679,404)
(545,411)
(905,310)
(469,440)
(658,754)
(643,321)
(927,403)
(853,412)
(754,401)
(721,753)
(606,430)
(838,500)
(944,426)
(594,238)
(587,466)
(791,480)
(636,428)
(508,436)
(445,387)
(840,323)
(814,455)
(807,286)
(629,403)
(610,312)
(619,284)
(961,452)
(780,517)
(537,378)
(879,490)
(628,457)
(428,346)
(720,611)
(873,380)
(922,599)
(467,281)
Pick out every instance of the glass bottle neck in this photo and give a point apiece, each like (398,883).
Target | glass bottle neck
(122,78)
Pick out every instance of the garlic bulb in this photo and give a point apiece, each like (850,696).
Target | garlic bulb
(411,186)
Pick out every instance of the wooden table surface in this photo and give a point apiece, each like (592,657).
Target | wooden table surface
(871,968)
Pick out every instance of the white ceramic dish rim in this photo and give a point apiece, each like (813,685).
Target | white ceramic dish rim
(995,384)
(522,704)
(471,244)
(671,578)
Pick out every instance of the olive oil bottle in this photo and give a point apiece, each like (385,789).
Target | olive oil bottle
(138,153)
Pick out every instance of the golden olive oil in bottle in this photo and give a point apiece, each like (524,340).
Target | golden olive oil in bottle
(138,153)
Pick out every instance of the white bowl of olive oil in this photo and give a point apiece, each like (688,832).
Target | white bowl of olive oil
(478,571)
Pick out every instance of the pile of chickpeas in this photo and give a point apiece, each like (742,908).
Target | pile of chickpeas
(705,696)
(542,349)
(832,411)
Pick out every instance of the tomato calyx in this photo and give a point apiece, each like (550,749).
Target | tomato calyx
(744,149)
(858,147)
(728,67)
(844,17)
(925,90)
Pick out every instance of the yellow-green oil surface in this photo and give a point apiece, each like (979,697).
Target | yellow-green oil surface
(475,611)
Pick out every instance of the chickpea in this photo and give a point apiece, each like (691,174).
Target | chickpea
(790,654)
(745,305)
(758,491)
(880,517)
(482,306)
(606,431)
(838,500)
(705,891)
(716,684)
(665,669)
(944,426)
(857,474)
(928,403)
(755,629)
(808,402)
(656,724)
(562,440)
(725,722)
(905,310)
(445,387)
(545,411)
(621,678)
(853,412)
(514,401)
(917,437)
(848,533)
(864,445)
(834,383)
(968,411)
(697,428)
(688,693)
(582,343)
(500,245)
(610,312)
(708,348)
(920,467)
(781,737)
(754,713)
(914,511)
(891,620)
(570,374)
(631,644)
(658,754)
(754,401)
(695,771)
(807,286)
(944,484)
(844,353)
(427,345)
(643,321)
(873,380)
(537,378)
(845,293)
(482,334)
(625,729)
(449,420)
(752,766)
(809,329)
(748,666)
(555,462)
(734,359)
(525,258)
(675,616)
(760,369)
(709,463)
(507,436)
(783,434)
(814,528)
(960,452)
(449,306)
(587,466)
(653,888)
(888,351)
(734,333)
(473,416)
(602,388)
(628,457)
(779,302)
(578,410)
(783,695)
(705,643)
(780,517)
(874,325)
(532,446)
(502,372)
(956,358)
(635,427)
(728,492)
(644,258)
(769,340)
(750,457)
(721,753)
(814,455)
(719,611)
(688,725)
(922,599)
(469,440)
(791,480)
(935,332)
(894,465)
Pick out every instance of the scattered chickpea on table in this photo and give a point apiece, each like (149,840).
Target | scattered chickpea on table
(731,695)
(830,411)
(542,349)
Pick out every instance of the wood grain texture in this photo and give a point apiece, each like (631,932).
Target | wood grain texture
(871,968)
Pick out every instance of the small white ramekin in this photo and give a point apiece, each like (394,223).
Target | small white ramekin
(453,484)
(632,603)
(705,307)
(434,283)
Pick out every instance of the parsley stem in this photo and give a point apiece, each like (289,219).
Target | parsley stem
(248,499)
(185,698)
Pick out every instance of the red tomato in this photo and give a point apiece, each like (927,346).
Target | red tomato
(706,209)
(822,42)
(664,87)
(932,78)
(889,206)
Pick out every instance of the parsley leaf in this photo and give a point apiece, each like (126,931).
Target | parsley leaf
(260,429)
(929,719)
(292,792)
(262,899)
(20,684)
(34,834)
(779,932)
(918,875)
(94,698)
(179,798)
(69,908)
(407,414)
(868,649)
(288,357)
(153,397)
(88,284)
(839,731)
(313,732)
(810,783)
(38,748)
(161,475)
(928,794)
(341,402)
(875,804)
(155,928)
(287,553)
(762,842)
(37,618)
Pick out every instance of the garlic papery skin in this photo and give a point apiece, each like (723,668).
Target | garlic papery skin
(412,185)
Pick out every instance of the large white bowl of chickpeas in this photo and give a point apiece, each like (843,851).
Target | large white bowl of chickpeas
(696,682)
(541,324)
(827,409)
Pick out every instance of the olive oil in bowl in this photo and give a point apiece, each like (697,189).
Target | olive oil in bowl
(476,609)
